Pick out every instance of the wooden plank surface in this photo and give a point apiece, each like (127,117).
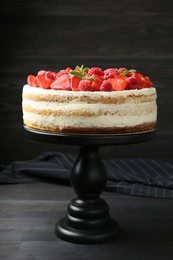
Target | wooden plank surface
(29,213)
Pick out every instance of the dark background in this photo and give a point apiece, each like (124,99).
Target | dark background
(52,35)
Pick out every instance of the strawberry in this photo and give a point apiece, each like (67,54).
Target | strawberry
(74,83)
(61,83)
(106,86)
(41,72)
(96,83)
(44,82)
(95,71)
(85,85)
(148,82)
(50,75)
(142,81)
(62,72)
(118,82)
(32,81)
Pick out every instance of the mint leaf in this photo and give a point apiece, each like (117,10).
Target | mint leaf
(90,77)
(81,73)
(83,70)
(77,74)
(86,69)
(79,68)
(124,73)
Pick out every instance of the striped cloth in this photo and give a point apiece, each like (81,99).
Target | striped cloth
(138,177)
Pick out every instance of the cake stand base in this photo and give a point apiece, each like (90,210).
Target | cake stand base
(87,220)
(94,224)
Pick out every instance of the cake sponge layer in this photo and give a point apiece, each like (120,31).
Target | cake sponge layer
(90,112)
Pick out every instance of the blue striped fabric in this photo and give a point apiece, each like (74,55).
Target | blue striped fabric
(137,177)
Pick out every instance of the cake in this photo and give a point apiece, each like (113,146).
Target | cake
(90,101)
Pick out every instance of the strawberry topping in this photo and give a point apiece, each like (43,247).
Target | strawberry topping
(106,86)
(85,85)
(90,79)
(110,73)
(95,71)
(62,83)
(118,83)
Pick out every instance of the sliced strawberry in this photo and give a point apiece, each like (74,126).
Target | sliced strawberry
(62,72)
(75,82)
(41,72)
(50,75)
(62,83)
(148,82)
(32,81)
(44,82)
(118,82)
(142,81)
(96,83)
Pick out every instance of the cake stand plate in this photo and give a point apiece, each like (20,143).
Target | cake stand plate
(87,220)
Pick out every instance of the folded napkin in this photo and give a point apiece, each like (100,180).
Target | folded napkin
(138,177)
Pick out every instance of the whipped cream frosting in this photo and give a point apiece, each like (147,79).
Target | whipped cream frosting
(43,107)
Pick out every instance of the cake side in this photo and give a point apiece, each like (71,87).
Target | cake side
(90,112)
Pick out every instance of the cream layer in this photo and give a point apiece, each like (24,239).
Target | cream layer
(82,122)
(57,94)
(85,109)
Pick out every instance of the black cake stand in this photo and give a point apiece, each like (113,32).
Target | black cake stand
(87,220)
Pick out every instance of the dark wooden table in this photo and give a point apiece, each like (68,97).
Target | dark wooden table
(29,212)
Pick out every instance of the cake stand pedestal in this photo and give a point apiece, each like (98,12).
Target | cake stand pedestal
(87,220)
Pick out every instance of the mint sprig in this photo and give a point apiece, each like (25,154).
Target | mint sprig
(77,74)
(125,72)
(81,72)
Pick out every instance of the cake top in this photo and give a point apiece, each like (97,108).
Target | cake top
(90,79)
